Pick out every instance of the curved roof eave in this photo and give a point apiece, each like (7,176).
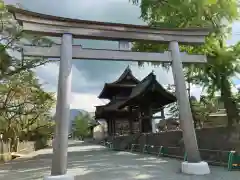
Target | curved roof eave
(101,93)
(146,83)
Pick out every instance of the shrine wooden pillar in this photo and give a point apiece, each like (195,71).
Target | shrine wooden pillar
(109,127)
(150,119)
(140,125)
(146,119)
(162,114)
(154,128)
(130,120)
(113,127)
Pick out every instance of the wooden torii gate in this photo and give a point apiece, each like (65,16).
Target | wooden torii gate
(68,29)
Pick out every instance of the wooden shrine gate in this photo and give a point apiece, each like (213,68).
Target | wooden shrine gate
(68,29)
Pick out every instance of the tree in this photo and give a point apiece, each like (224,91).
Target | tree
(223,61)
(195,13)
(11,40)
(81,124)
(187,13)
(223,64)
(200,109)
(24,106)
(173,110)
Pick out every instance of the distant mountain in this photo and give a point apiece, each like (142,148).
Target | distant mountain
(75,112)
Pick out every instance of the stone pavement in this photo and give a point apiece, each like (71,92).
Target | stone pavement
(94,162)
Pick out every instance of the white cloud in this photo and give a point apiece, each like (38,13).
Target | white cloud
(107,10)
(85,101)
(196,91)
(48,76)
(235,88)
(163,76)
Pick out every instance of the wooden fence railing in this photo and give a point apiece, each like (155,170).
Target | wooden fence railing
(231,159)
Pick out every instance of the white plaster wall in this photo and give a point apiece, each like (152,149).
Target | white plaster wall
(98,132)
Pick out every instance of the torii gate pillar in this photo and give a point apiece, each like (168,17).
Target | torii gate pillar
(186,121)
(59,161)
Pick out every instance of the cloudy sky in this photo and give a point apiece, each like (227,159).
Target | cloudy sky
(90,76)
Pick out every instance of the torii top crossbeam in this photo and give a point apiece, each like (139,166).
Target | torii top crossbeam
(56,26)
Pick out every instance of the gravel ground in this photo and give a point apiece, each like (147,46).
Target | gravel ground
(91,162)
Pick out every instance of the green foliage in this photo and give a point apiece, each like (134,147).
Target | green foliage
(24,105)
(187,13)
(222,61)
(11,40)
(223,64)
(200,109)
(81,125)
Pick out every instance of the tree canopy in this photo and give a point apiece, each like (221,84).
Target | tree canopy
(188,13)
(222,60)
(11,40)
(81,125)
(25,106)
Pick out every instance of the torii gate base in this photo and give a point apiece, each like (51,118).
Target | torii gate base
(60,177)
(200,168)
(68,28)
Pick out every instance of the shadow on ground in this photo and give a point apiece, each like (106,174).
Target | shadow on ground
(90,162)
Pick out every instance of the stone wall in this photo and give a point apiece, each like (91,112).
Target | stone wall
(5,154)
(208,138)
(213,142)
(24,147)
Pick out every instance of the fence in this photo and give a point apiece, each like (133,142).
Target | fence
(7,149)
(231,159)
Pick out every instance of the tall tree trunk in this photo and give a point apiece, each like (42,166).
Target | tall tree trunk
(229,103)
(191,105)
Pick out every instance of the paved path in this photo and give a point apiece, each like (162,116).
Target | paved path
(91,162)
